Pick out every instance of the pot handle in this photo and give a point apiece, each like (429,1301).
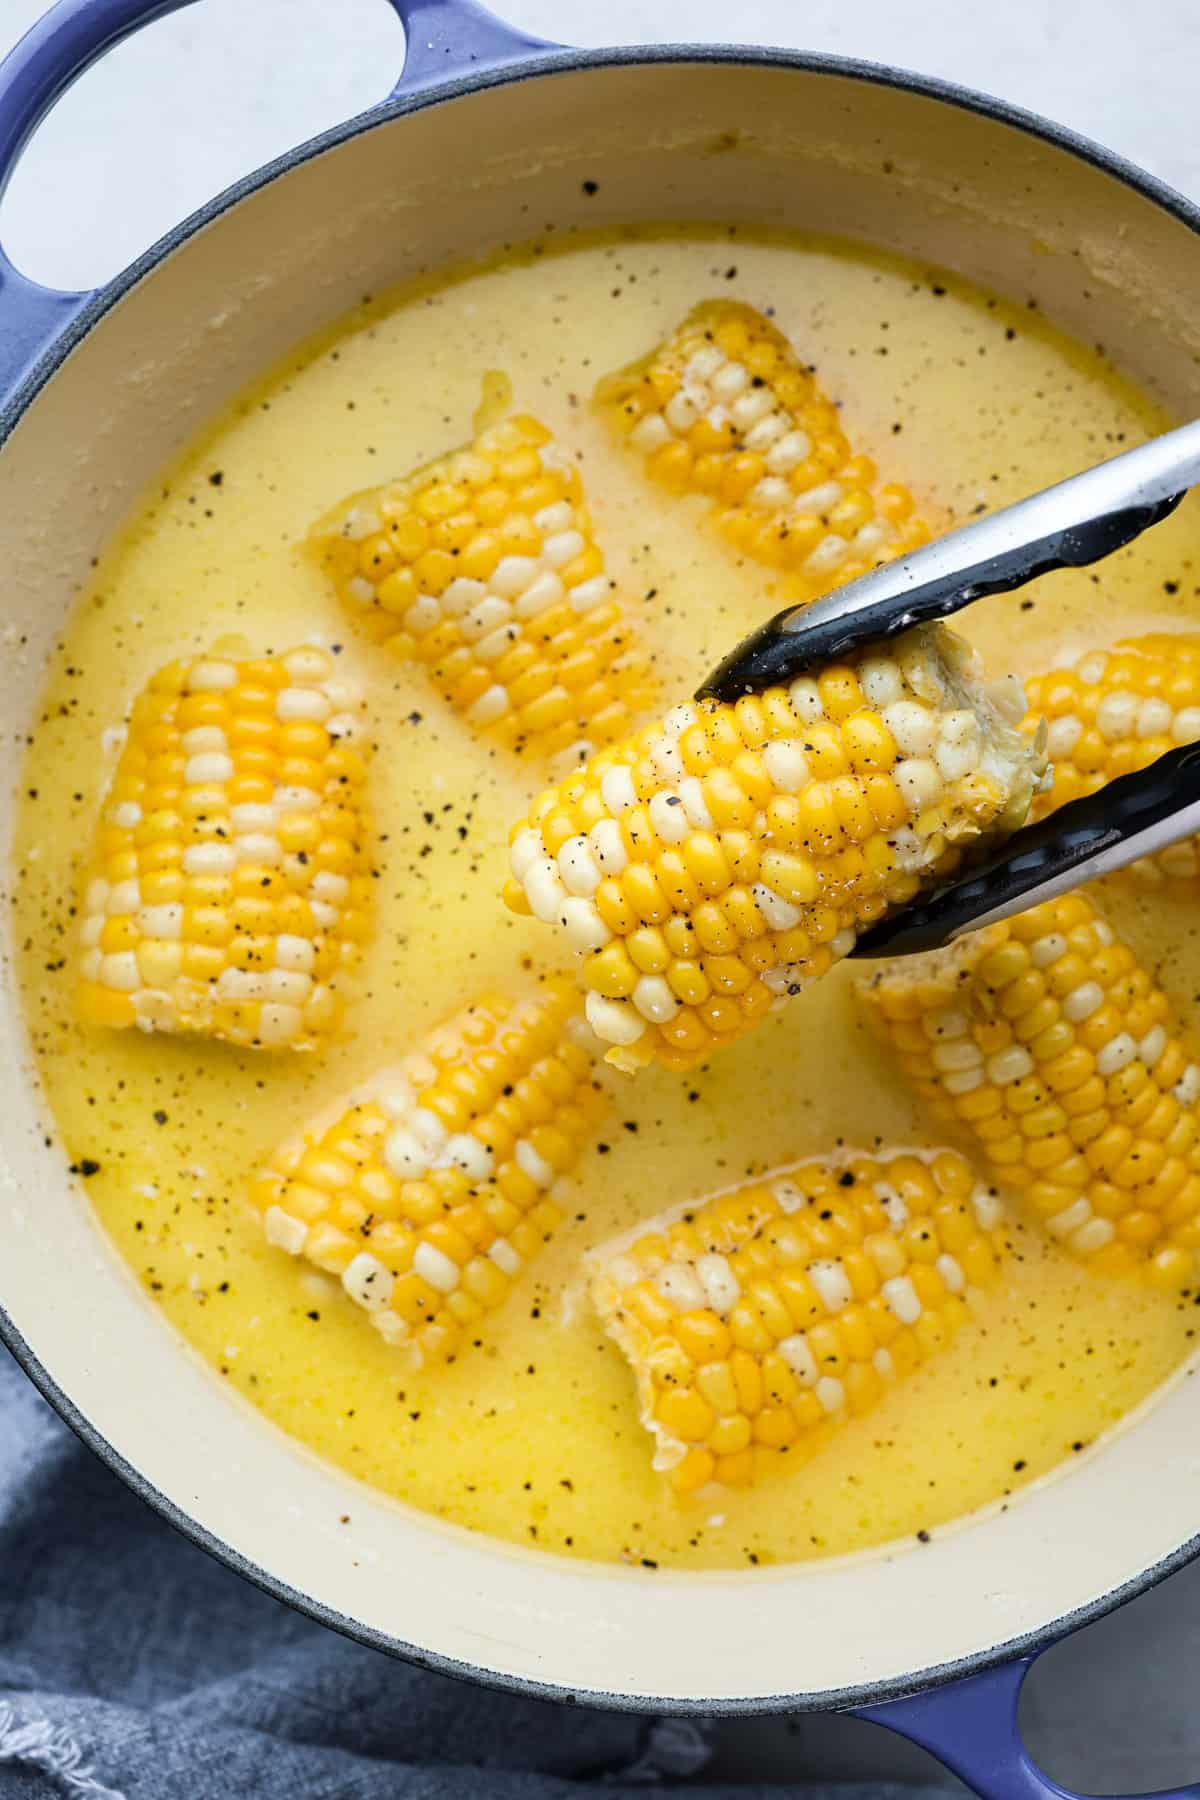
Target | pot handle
(36,72)
(445,39)
(971,1726)
(449,38)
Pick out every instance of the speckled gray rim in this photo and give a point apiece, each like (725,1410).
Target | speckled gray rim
(539,64)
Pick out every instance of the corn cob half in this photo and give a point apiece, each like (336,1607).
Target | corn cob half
(726,856)
(759,1319)
(429,1190)
(1046,1040)
(725,408)
(1117,711)
(228,889)
(483,567)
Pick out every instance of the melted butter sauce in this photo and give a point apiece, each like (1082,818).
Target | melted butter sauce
(534,1437)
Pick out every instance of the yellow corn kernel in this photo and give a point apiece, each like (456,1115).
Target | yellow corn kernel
(1114,712)
(429,1226)
(237,910)
(725,408)
(691,932)
(770,1313)
(508,608)
(1095,1118)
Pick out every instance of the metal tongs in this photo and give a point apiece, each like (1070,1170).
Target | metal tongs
(1078,521)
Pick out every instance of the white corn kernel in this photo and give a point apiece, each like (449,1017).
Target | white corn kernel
(681,411)
(788,452)
(306,704)
(558,517)
(435,1267)
(505,1257)
(1116,716)
(1154,719)
(608,846)
(539,1171)
(681,1286)
(614,1020)
(405,1155)
(279,1025)
(368,1282)
(1070,1218)
(691,792)
(585,929)
(588,594)
(798,1356)
(1116,1055)
(650,433)
(617,789)
(580,872)
(1007,1066)
(491,705)
(751,406)
(120,972)
(210,676)
(284,1231)
(950,1270)
(654,1000)
(669,819)
(786,765)
(881,681)
(1083,1002)
(779,913)
(831,1393)
(544,591)
(544,890)
(914,727)
(1093,1236)
(460,595)
(919,782)
(901,1299)
(720,1283)
(832,1284)
(806,700)
(729,381)
(512,575)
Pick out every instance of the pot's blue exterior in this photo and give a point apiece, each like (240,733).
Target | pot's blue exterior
(964,1712)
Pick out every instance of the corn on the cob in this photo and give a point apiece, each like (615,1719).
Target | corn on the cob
(432,1187)
(228,889)
(483,567)
(726,856)
(725,408)
(1118,711)
(758,1320)
(1046,1040)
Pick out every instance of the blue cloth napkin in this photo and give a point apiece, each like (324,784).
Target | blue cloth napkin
(134,1667)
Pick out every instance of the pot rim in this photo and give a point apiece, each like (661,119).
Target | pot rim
(535,65)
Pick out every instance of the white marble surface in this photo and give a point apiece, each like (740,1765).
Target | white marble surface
(196,101)
(199,98)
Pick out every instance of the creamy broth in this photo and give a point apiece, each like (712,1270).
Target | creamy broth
(534,1437)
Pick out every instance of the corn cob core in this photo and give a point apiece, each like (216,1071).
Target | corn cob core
(725,407)
(1118,711)
(483,566)
(758,1320)
(1046,1040)
(429,1190)
(726,856)
(228,888)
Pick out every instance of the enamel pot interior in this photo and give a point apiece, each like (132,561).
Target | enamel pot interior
(710,139)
